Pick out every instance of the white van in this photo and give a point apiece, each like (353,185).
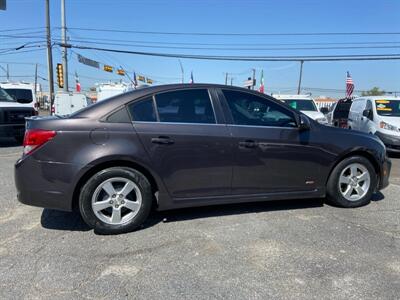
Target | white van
(23,92)
(67,103)
(305,104)
(379,115)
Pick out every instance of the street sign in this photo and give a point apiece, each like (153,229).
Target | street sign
(108,68)
(249,83)
(88,61)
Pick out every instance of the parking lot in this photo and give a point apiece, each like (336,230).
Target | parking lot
(283,250)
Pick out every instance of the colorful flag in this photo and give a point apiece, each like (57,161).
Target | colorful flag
(349,85)
(78,84)
(261,89)
(191,78)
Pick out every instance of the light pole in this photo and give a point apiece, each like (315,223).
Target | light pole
(64,49)
(49,55)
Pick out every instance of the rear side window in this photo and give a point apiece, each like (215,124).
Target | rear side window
(143,110)
(185,106)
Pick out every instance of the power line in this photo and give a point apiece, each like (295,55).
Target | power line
(235,34)
(20,29)
(250,58)
(237,49)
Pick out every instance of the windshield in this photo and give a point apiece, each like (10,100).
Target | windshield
(389,108)
(5,97)
(301,104)
(21,94)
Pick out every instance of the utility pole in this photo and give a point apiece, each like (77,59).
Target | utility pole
(8,73)
(231,80)
(64,49)
(36,81)
(49,55)
(183,74)
(226,78)
(301,74)
(254,78)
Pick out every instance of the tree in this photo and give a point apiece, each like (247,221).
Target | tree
(375,91)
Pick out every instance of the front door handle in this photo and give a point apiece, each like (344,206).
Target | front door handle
(247,144)
(162,140)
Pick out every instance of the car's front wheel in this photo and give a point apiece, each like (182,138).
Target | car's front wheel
(352,182)
(115,200)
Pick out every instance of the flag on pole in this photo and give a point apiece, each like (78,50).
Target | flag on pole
(261,89)
(78,84)
(191,78)
(349,85)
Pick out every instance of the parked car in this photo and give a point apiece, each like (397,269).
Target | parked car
(22,92)
(12,116)
(339,114)
(189,145)
(305,104)
(378,115)
(68,103)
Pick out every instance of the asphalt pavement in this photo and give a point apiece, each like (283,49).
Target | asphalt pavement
(300,249)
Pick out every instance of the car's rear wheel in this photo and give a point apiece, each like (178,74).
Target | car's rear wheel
(352,182)
(115,200)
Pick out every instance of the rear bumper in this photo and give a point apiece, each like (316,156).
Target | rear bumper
(391,142)
(12,130)
(45,184)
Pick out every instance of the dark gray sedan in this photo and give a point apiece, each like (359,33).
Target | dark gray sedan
(181,145)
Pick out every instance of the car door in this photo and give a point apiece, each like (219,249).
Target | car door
(365,121)
(271,154)
(189,146)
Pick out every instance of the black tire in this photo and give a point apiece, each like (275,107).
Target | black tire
(333,194)
(87,191)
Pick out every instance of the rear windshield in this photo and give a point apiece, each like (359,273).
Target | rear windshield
(342,110)
(389,108)
(4,97)
(301,104)
(21,94)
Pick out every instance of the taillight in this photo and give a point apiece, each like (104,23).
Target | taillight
(34,138)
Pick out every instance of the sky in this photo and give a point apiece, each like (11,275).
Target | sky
(210,16)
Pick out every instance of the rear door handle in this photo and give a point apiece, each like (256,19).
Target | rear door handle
(248,144)
(162,140)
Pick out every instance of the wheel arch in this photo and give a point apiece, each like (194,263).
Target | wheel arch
(155,185)
(362,153)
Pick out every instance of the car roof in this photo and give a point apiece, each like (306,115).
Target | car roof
(292,97)
(107,105)
(383,97)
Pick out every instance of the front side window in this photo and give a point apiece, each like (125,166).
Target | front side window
(248,109)
(143,110)
(185,106)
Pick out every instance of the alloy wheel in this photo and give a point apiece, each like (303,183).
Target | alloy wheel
(354,182)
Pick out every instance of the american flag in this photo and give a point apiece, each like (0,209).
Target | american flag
(78,84)
(349,85)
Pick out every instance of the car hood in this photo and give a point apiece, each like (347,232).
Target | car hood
(14,104)
(313,114)
(391,120)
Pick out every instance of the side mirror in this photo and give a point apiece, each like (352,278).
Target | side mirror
(324,110)
(367,113)
(304,123)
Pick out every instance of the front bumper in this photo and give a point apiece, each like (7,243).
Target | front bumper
(391,142)
(12,130)
(386,167)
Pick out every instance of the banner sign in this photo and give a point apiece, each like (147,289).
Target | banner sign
(149,81)
(88,61)
(121,72)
